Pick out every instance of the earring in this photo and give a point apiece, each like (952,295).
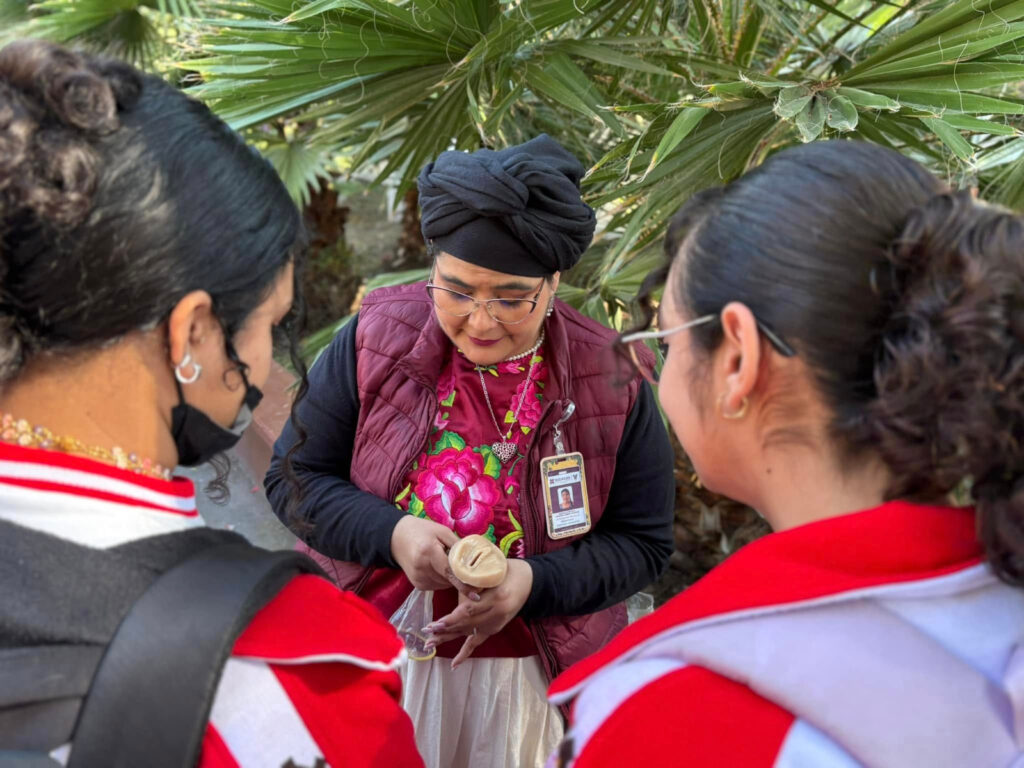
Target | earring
(551,308)
(738,414)
(185,362)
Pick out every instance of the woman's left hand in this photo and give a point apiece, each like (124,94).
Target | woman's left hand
(479,620)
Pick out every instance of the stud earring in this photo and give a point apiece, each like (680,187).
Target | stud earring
(185,363)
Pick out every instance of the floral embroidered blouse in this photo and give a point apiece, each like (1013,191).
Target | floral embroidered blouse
(460,483)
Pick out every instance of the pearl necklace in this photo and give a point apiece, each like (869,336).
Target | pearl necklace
(503,447)
(20,432)
(528,352)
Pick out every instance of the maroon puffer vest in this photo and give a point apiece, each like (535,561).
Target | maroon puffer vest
(400,349)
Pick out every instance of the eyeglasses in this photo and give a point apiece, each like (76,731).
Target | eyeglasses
(633,341)
(505,311)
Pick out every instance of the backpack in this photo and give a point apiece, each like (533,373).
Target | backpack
(144,697)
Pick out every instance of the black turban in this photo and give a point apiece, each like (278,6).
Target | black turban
(517,210)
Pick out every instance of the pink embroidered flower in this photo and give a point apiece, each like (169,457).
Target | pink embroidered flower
(511,366)
(446,383)
(530,413)
(456,492)
(441,417)
(511,486)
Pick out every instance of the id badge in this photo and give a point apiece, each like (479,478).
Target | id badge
(566,505)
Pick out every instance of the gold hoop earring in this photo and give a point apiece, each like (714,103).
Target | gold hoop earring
(738,414)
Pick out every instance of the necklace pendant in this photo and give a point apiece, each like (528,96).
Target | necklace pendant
(504,451)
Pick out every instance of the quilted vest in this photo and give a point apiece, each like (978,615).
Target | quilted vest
(400,349)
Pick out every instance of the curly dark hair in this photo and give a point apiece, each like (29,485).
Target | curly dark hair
(119,195)
(904,297)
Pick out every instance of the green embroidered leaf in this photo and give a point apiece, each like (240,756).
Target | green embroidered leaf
(416,507)
(536,359)
(449,440)
(447,402)
(526,430)
(492,466)
(508,540)
(540,384)
(493,371)
(490,534)
(404,493)
(510,417)
(515,523)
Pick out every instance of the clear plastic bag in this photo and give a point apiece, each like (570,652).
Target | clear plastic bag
(639,605)
(409,620)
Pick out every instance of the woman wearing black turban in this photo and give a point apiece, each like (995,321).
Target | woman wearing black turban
(429,416)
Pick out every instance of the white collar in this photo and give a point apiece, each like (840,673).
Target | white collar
(88,502)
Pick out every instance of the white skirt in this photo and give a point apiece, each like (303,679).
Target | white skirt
(488,713)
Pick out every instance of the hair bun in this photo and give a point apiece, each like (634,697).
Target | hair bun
(950,373)
(16,130)
(125,83)
(52,101)
(84,100)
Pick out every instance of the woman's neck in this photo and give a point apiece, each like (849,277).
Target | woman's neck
(106,400)
(801,486)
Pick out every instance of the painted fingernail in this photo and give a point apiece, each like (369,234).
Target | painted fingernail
(437,626)
(475,597)
(430,645)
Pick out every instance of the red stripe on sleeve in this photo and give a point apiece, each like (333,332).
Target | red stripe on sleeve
(312,617)
(691,718)
(353,714)
(215,752)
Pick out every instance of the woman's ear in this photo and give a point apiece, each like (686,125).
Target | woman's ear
(553,281)
(740,357)
(189,323)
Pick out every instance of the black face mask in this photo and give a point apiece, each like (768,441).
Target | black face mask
(198,438)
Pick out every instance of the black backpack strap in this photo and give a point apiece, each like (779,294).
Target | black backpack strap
(41,692)
(150,700)
(27,760)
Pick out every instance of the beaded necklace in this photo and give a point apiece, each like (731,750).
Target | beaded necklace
(528,352)
(20,432)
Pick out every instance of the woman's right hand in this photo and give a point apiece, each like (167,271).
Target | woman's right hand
(420,547)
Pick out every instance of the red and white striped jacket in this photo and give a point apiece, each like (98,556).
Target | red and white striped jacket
(878,638)
(312,678)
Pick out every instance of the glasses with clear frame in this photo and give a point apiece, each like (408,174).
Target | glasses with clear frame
(633,342)
(504,311)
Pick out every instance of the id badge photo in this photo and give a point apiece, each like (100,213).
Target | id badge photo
(566,506)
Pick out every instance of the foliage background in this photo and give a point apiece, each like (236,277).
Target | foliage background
(659,98)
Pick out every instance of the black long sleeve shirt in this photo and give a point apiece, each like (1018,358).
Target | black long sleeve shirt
(626,550)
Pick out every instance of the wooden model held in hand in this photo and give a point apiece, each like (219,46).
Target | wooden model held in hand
(477,562)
